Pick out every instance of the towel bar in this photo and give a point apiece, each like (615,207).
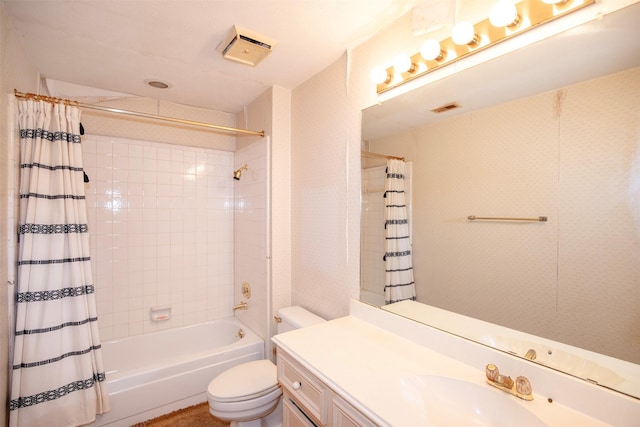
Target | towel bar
(497,218)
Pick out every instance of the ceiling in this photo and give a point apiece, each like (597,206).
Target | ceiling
(117,45)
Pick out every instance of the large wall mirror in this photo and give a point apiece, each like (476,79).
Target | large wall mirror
(553,130)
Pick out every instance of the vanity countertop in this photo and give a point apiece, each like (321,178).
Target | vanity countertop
(368,365)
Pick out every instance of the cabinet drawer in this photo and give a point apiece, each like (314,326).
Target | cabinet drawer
(304,387)
(345,415)
(292,416)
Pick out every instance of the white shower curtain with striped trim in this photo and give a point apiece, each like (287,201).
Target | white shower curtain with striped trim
(57,371)
(399,284)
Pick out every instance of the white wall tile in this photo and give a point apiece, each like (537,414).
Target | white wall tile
(145,232)
(249,239)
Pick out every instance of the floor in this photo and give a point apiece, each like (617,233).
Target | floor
(193,416)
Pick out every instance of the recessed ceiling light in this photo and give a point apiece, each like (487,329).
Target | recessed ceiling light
(158,84)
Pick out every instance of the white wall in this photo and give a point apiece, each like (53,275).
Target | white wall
(15,73)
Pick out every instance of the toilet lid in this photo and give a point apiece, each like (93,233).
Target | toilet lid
(244,381)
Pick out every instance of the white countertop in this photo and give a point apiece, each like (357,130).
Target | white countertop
(367,364)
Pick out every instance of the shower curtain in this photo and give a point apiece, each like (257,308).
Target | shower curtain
(399,283)
(57,371)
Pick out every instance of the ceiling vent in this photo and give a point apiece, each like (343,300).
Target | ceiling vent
(245,46)
(444,108)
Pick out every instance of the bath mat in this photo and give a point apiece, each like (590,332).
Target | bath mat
(193,416)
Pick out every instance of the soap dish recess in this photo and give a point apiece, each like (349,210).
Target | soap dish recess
(160,313)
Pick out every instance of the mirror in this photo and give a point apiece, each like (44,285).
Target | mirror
(550,130)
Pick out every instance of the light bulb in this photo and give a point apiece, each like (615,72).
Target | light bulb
(431,50)
(402,63)
(503,14)
(378,75)
(464,33)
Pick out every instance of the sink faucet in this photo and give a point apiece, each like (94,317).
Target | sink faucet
(522,388)
(242,306)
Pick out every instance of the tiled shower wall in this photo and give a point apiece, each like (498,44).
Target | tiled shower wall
(372,231)
(251,260)
(161,223)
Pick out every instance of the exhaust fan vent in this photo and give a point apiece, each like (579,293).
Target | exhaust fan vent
(246,47)
(444,108)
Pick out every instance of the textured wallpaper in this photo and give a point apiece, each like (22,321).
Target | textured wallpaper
(321,265)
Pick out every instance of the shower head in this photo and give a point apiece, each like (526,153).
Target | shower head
(238,173)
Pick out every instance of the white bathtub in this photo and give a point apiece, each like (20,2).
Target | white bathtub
(371,298)
(156,373)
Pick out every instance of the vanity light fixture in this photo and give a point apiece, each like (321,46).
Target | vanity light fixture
(403,64)
(379,75)
(431,50)
(507,19)
(504,14)
(464,34)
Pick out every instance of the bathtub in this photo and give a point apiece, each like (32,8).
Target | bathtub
(157,373)
(371,298)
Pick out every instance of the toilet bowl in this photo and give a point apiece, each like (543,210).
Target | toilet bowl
(248,394)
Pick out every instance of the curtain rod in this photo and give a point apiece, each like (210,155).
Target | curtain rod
(132,113)
(380,156)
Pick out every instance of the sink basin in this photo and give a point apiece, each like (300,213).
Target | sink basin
(452,402)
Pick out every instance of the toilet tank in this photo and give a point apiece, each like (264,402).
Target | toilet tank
(296,317)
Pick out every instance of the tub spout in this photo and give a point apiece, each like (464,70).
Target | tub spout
(242,306)
(531,354)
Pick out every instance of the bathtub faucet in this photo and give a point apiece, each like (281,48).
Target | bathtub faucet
(242,306)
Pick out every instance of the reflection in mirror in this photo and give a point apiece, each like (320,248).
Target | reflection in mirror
(541,131)
(597,368)
(387,242)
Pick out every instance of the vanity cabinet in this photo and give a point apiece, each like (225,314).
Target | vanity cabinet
(308,402)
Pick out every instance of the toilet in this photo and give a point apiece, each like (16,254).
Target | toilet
(248,394)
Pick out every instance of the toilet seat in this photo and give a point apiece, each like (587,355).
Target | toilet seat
(246,381)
